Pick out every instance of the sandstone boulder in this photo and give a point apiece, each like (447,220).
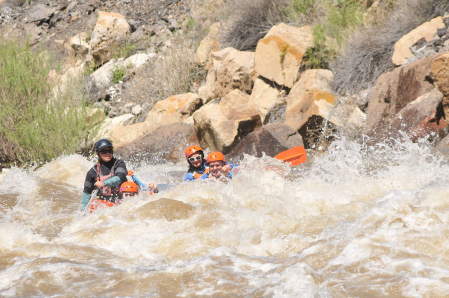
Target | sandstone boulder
(110,30)
(427,32)
(265,98)
(269,139)
(164,112)
(440,75)
(219,126)
(393,91)
(164,143)
(174,107)
(279,54)
(78,44)
(208,45)
(310,96)
(231,69)
(416,119)
(101,79)
(110,124)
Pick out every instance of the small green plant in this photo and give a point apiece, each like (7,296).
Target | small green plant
(320,55)
(190,23)
(343,16)
(118,74)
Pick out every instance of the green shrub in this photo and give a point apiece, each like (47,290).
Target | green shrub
(118,74)
(35,125)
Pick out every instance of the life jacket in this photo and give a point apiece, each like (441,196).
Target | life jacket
(197,175)
(106,192)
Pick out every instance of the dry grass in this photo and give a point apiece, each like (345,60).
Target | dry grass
(368,53)
(249,21)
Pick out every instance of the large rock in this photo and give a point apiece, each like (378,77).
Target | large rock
(231,69)
(164,112)
(208,45)
(219,126)
(40,13)
(265,98)
(110,31)
(393,91)
(78,44)
(416,118)
(164,143)
(310,96)
(440,75)
(269,139)
(101,79)
(427,32)
(110,124)
(279,54)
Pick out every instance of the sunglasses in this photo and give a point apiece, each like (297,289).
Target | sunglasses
(106,151)
(192,159)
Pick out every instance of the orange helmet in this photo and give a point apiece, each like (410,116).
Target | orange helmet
(129,186)
(215,156)
(191,150)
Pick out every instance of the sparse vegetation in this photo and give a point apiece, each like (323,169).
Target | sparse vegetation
(118,74)
(368,53)
(124,50)
(34,125)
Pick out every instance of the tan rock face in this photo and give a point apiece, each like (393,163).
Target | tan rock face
(219,125)
(111,29)
(426,31)
(440,74)
(231,69)
(269,139)
(414,118)
(78,44)
(164,112)
(208,45)
(311,95)
(163,143)
(279,54)
(265,97)
(393,91)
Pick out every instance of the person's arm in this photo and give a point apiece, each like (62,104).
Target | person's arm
(119,177)
(189,177)
(139,182)
(89,185)
(85,198)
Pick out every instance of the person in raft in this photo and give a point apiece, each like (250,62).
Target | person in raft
(106,175)
(150,188)
(197,164)
(218,167)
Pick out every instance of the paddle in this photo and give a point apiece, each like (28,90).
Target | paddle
(294,156)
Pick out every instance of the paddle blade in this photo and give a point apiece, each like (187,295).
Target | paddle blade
(294,156)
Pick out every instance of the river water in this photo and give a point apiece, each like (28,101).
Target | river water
(354,222)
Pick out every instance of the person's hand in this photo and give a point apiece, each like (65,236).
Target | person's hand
(226,169)
(99,184)
(152,188)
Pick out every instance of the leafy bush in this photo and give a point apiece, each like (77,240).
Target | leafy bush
(34,125)
(368,53)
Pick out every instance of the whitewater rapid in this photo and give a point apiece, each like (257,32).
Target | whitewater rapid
(357,221)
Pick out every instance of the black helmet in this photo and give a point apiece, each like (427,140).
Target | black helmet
(102,144)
